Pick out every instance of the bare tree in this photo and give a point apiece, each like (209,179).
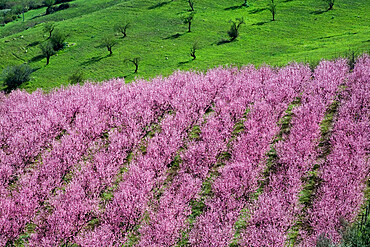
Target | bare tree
(191,5)
(108,42)
(122,28)
(272,8)
(49,28)
(330,3)
(234,29)
(135,61)
(188,20)
(193,50)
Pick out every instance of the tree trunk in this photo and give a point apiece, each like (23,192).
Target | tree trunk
(47,60)
(136,67)
(189,27)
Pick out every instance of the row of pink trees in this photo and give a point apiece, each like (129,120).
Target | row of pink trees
(111,164)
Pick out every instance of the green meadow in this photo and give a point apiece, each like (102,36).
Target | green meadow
(303,31)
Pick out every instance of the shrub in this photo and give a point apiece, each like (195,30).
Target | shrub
(3,4)
(323,241)
(16,75)
(49,4)
(32,4)
(62,6)
(6,16)
(76,77)
(51,9)
(234,29)
(17,9)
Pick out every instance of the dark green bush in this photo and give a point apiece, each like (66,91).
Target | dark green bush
(15,76)
(357,236)
(323,241)
(3,4)
(76,78)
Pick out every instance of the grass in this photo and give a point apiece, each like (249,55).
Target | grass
(303,32)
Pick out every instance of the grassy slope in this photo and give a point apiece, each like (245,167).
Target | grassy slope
(301,32)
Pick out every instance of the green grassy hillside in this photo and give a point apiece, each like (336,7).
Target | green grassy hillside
(303,31)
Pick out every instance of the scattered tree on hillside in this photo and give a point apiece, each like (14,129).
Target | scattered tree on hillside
(49,28)
(25,8)
(193,50)
(135,61)
(108,42)
(57,40)
(16,75)
(49,4)
(188,20)
(234,29)
(272,8)
(191,5)
(330,3)
(122,28)
(47,51)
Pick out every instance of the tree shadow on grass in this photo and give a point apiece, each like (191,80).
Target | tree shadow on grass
(175,36)
(256,11)
(319,12)
(38,16)
(235,7)
(185,62)
(93,60)
(224,41)
(259,23)
(33,44)
(159,5)
(35,69)
(36,59)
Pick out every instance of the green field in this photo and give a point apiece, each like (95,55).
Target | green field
(303,31)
